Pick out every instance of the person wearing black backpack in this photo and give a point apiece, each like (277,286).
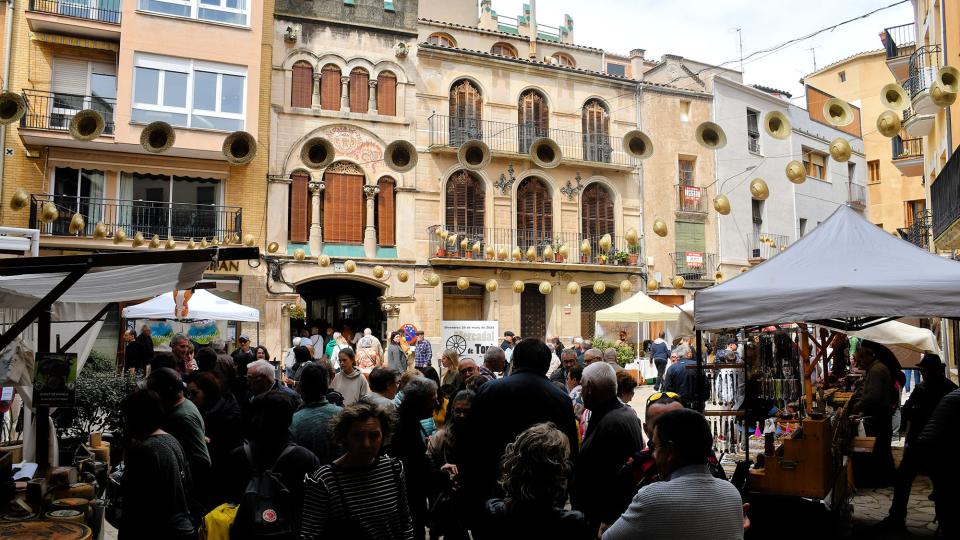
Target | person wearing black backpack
(269,471)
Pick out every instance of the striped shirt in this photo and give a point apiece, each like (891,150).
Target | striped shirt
(711,509)
(372,499)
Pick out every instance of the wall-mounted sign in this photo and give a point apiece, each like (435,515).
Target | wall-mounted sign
(470,337)
(694,259)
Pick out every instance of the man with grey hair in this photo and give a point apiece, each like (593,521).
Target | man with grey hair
(568,361)
(261,379)
(613,435)
(591,356)
(180,346)
(495,360)
(610,357)
(367,333)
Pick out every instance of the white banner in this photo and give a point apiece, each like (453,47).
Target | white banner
(470,338)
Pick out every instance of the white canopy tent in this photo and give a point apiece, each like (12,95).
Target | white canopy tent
(847,274)
(639,308)
(202,306)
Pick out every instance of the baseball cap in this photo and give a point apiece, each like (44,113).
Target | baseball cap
(244,337)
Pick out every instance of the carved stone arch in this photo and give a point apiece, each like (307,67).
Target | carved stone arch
(395,68)
(295,55)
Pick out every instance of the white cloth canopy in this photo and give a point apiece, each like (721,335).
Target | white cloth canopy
(638,308)
(201,306)
(845,268)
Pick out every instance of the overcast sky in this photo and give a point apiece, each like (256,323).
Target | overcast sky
(705,30)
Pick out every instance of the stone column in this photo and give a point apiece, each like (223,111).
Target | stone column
(344,93)
(316,88)
(370,231)
(316,229)
(372,109)
(392,312)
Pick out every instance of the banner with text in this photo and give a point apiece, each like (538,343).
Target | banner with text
(470,338)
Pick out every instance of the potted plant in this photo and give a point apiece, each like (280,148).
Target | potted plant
(621,257)
(602,258)
(557,255)
(633,254)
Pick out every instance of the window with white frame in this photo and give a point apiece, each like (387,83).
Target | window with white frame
(221,11)
(188,93)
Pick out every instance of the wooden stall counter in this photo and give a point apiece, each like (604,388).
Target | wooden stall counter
(802,466)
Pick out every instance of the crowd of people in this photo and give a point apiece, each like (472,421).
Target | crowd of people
(377,443)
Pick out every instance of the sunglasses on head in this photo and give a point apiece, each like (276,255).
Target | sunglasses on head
(657,396)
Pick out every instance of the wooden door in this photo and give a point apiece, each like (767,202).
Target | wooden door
(533,313)
(462,308)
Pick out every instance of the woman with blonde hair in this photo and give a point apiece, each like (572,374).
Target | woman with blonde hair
(450,361)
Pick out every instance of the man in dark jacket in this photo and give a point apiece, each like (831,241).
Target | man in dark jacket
(506,407)
(613,435)
(660,352)
(874,400)
(568,361)
(938,445)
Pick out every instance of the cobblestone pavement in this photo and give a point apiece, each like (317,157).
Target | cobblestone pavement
(871,505)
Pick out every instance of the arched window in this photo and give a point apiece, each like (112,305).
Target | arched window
(439,38)
(534,213)
(387,94)
(533,116)
(359,90)
(504,49)
(466,112)
(301,87)
(598,218)
(330,88)
(564,59)
(465,203)
(596,132)
(386,213)
(343,203)
(300,209)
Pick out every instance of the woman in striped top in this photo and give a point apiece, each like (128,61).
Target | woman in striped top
(361,495)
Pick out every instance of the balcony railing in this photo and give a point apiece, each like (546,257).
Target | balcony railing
(897,40)
(531,244)
(924,63)
(515,138)
(918,233)
(691,199)
(53,111)
(180,221)
(907,148)
(106,11)
(695,265)
(857,194)
(945,196)
(765,245)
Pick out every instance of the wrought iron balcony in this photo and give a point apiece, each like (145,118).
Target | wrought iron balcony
(482,244)
(918,233)
(764,245)
(899,40)
(857,195)
(516,138)
(180,221)
(945,203)
(691,199)
(695,265)
(105,11)
(924,63)
(53,111)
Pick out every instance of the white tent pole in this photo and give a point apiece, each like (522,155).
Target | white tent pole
(638,343)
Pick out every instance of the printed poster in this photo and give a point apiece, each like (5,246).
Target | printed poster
(470,338)
(55,380)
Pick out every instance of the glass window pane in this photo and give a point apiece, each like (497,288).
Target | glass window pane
(210,2)
(231,94)
(146,85)
(204,91)
(145,117)
(216,15)
(169,8)
(174,89)
(213,122)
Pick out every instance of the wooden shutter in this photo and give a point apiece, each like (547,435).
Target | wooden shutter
(344,208)
(465,203)
(359,90)
(301,87)
(387,94)
(534,212)
(330,88)
(465,101)
(594,118)
(597,211)
(386,214)
(299,217)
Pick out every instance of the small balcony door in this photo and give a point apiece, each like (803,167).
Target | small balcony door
(77,191)
(78,85)
(171,206)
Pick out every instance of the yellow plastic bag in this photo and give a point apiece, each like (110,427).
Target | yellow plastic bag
(216,524)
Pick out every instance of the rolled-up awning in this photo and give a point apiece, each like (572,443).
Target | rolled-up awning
(86,43)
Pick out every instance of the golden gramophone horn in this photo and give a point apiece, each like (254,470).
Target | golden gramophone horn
(119,236)
(941,96)
(76,224)
(545,288)
(249,240)
(653,284)
(400,156)
(679,282)
(138,240)
(711,136)
(777,125)
(721,204)
(759,189)
(837,112)
(49,212)
(19,200)
(434,280)
(99,231)
(323,261)
(840,149)
(599,287)
(203,243)
(638,144)
(573,288)
(299,254)
(157,137)
(403,276)
(349,266)
(12,107)
(87,125)
(888,123)
(545,152)
(272,247)
(949,77)
(463,283)
(518,286)
(379,271)
(170,243)
(894,97)
(491,285)
(660,227)
(155,241)
(796,173)
(317,153)
(240,148)
(474,154)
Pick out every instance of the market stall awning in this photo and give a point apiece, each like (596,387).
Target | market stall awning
(202,306)
(848,273)
(638,308)
(898,333)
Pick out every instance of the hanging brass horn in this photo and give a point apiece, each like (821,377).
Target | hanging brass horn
(888,123)
(157,137)
(240,148)
(837,112)
(711,136)
(777,125)
(894,97)
(317,153)
(949,78)
(87,125)
(12,107)
(545,152)
(638,144)
(840,149)
(941,96)
(401,156)
(474,154)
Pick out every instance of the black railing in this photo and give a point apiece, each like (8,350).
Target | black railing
(898,40)
(695,265)
(765,245)
(918,233)
(945,196)
(54,110)
(531,245)
(924,63)
(906,148)
(516,138)
(106,11)
(857,194)
(178,220)
(691,199)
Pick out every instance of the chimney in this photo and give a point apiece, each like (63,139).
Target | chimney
(636,63)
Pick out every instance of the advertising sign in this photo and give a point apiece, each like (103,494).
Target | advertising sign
(692,195)
(470,337)
(694,259)
(55,380)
